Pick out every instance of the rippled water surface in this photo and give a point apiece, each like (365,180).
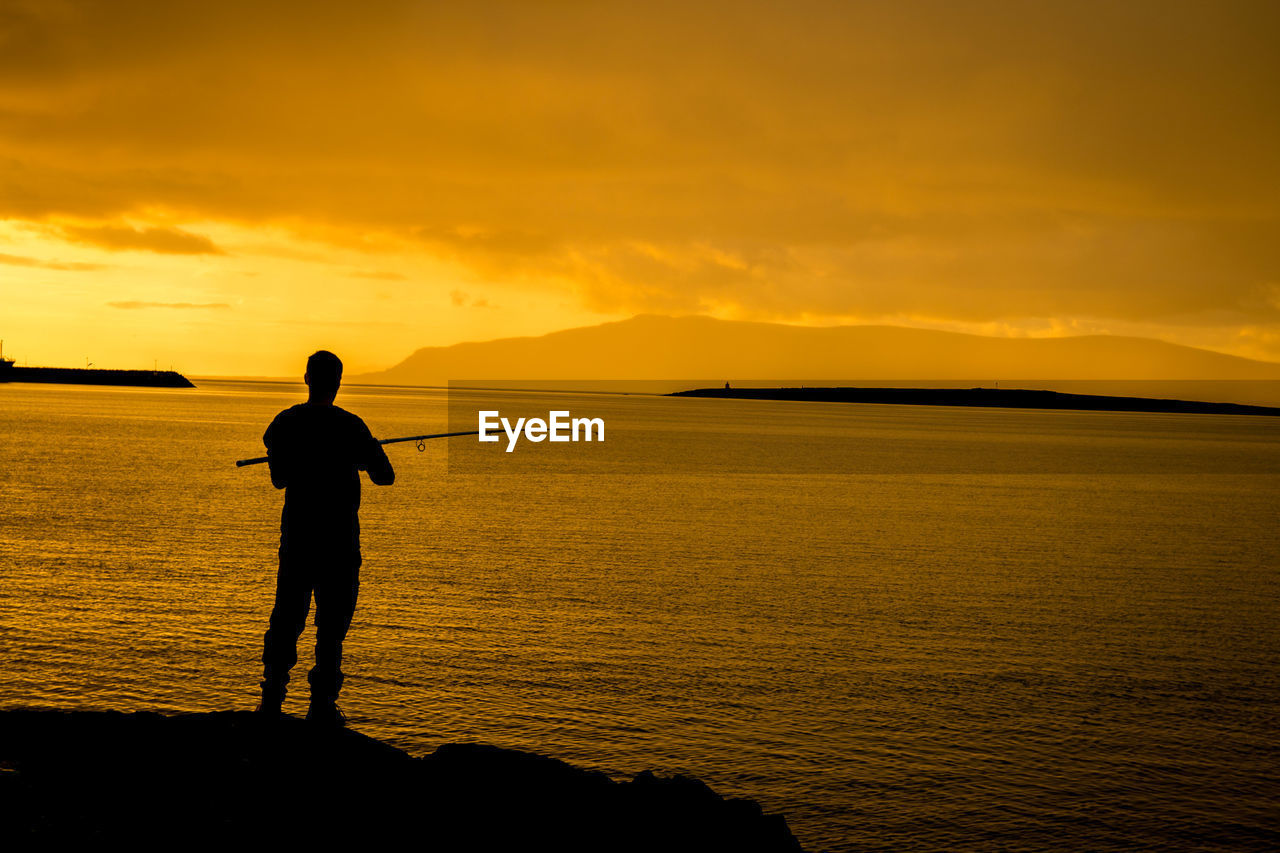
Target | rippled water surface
(923,660)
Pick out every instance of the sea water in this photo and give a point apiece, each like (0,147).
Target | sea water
(947,656)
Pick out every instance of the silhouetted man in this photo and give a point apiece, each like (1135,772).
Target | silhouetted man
(316,452)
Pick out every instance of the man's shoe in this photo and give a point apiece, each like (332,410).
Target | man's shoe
(326,714)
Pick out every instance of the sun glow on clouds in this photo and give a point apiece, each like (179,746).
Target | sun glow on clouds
(248,309)
(382,176)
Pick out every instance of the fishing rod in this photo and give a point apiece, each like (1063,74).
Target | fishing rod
(240,463)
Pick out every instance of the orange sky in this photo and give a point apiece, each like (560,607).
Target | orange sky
(224,187)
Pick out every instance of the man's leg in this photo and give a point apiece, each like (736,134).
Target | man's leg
(288,618)
(336,589)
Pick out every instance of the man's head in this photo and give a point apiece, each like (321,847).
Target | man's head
(324,375)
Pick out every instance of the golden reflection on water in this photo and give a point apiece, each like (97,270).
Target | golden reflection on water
(889,659)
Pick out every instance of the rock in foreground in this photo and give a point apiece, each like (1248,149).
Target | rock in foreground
(232,777)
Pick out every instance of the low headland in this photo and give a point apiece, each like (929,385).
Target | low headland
(1004,398)
(93,376)
(198,779)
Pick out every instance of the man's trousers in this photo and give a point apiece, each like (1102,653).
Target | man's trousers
(335,585)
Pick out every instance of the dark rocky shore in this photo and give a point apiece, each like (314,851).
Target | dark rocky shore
(197,779)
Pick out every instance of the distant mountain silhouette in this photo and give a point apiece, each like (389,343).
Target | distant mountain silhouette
(653,347)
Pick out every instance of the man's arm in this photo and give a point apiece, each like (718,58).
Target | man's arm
(375,461)
(277,460)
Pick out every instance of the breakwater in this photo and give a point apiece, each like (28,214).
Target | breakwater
(93,376)
(1003,398)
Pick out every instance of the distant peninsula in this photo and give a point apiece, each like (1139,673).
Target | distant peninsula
(1003,398)
(234,777)
(9,372)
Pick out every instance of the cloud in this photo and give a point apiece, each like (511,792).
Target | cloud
(466,241)
(461,299)
(379,275)
(346,324)
(67,266)
(184,305)
(974,162)
(168,241)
